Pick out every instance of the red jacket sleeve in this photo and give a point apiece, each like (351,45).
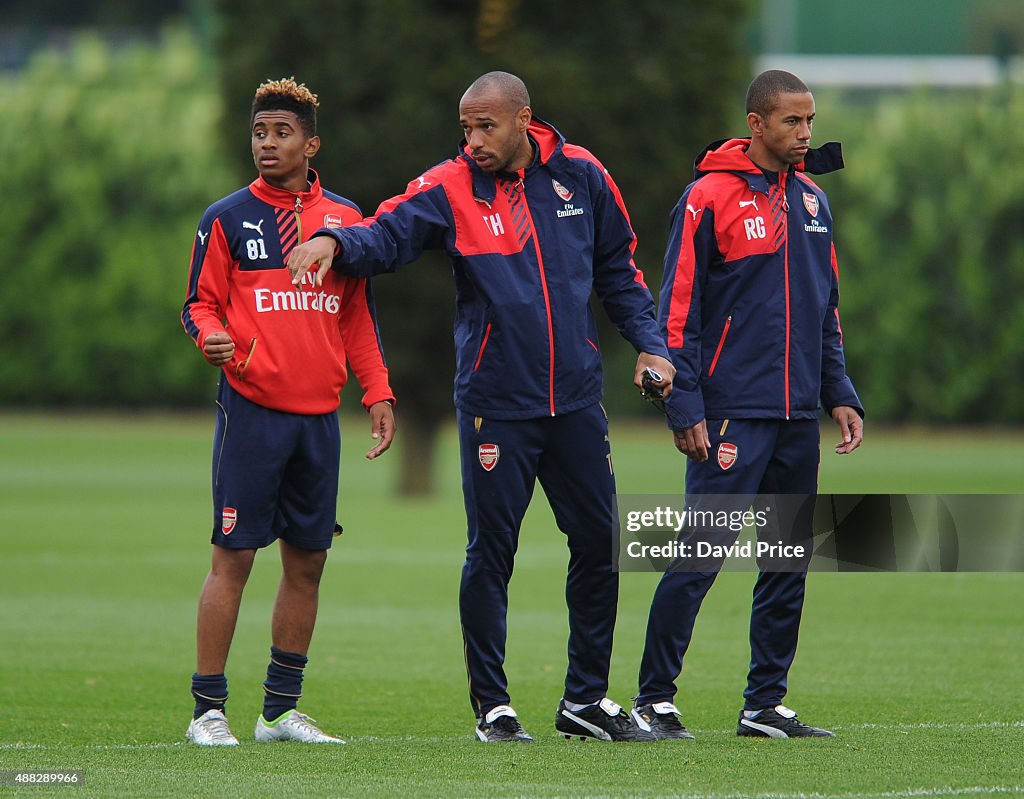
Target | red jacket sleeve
(691,247)
(361,340)
(208,283)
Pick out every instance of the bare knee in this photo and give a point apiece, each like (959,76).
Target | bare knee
(231,566)
(302,568)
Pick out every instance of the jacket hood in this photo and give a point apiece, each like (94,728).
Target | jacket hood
(549,141)
(730,155)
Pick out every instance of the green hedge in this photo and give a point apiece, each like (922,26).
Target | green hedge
(643,87)
(111,158)
(109,161)
(929,219)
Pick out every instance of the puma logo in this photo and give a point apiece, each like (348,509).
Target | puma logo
(202,237)
(748,203)
(693,211)
(250,226)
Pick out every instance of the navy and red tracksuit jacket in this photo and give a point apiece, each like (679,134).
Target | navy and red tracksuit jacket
(749,305)
(238,282)
(527,251)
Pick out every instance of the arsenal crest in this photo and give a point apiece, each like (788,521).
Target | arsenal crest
(561,191)
(488,454)
(811,203)
(726,455)
(333,220)
(228,520)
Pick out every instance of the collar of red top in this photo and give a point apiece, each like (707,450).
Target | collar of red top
(281,198)
(730,155)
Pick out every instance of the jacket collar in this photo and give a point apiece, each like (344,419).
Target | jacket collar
(547,152)
(288,199)
(730,155)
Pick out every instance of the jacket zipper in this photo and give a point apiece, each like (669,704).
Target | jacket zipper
(547,301)
(785,220)
(298,218)
(721,343)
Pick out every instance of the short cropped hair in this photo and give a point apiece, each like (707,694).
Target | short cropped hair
(508,86)
(287,95)
(763,92)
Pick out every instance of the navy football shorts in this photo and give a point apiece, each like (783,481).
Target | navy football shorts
(275,475)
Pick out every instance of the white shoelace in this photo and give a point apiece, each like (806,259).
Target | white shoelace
(305,723)
(217,729)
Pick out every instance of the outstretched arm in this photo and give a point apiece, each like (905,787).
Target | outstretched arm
(316,256)
(403,227)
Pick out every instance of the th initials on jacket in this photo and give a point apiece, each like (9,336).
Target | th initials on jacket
(494,224)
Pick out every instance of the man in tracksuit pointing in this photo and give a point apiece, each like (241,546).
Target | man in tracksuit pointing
(533,226)
(749,307)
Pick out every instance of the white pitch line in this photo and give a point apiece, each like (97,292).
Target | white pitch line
(978,790)
(923,725)
(908,793)
(45,747)
(936,725)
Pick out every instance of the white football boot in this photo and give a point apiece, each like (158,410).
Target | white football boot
(292,726)
(211,729)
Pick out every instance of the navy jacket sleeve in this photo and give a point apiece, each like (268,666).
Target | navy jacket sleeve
(619,284)
(691,248)
(401,230)
(836,387)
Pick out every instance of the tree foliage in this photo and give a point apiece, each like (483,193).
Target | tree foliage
(645,86)
(386,75)
(110,160)
(928,224)
(642,86)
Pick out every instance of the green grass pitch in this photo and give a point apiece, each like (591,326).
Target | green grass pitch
(104,530)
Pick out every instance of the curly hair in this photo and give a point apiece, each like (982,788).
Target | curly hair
(287,95)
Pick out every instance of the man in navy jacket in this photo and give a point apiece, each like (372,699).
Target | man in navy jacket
(749,309)
(533,226)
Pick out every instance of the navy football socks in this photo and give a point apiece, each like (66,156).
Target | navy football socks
(210,692)
(283,685)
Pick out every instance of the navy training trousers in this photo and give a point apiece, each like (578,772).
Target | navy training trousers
(501,461)
(771,457)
